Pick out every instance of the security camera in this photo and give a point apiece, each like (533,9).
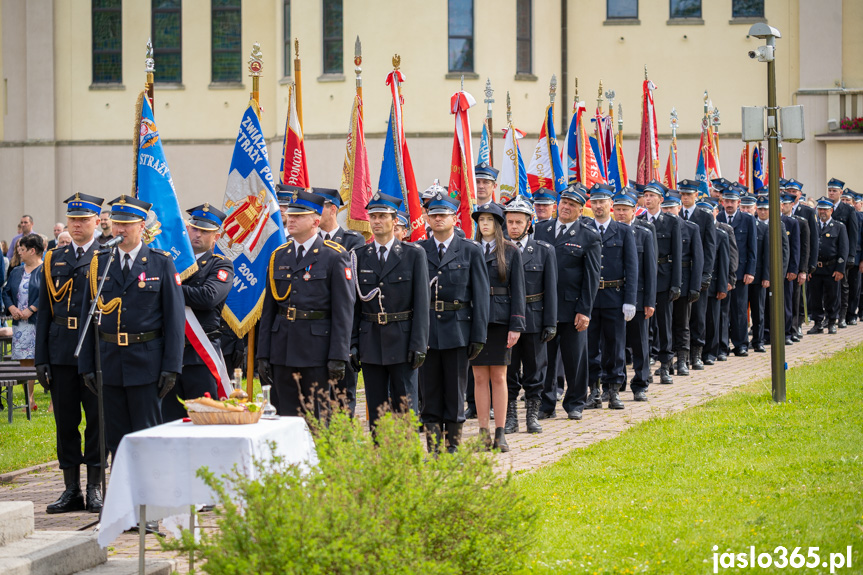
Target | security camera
(762,53)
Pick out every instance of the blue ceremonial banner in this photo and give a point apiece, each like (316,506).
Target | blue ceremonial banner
(484,155)
(253,227)
(757,169)
(614,178)
(165,227)
(701,176)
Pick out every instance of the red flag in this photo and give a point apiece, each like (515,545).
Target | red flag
(461,175)
(648,145)
(671,166)
(356,187)
(742,178)
(293,170)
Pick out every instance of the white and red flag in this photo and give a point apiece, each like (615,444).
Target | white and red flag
(462,180)
(293,170)
(648,145)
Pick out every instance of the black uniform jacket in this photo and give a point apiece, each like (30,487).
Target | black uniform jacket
(148,300)
(404,288)
(321,286)
(460,281)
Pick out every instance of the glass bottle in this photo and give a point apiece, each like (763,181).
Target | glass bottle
(268,411)
(239,393)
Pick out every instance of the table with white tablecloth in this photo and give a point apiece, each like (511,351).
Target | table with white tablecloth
(157,467)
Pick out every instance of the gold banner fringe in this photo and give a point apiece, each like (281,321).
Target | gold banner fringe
(241,328)
(136,140)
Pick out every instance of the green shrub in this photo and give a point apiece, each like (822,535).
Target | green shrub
(367,508)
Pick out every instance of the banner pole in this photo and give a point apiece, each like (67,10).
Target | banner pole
(150,69)
(256,67)
(298,80)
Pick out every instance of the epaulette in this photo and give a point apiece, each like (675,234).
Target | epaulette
(333,245)
(544,244)
(590,229)
(161,252)
(474,242)
(284,245)
(220,256)
(352,233)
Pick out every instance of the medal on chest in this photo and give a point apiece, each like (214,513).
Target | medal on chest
(141,282)
(307,276)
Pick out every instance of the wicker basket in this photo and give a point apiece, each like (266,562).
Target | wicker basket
(224,417)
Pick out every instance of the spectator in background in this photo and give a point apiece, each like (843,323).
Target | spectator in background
(104,232)
(21,298)
(25,226)
(59,228)
(64,239)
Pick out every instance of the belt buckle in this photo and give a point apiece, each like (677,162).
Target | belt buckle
(382,318)
(72,322)
(292,314)
(123,339)
(438,305)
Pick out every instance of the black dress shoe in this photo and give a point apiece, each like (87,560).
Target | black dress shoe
(722,357)
(796,338)
(574,415)
(831,329)
(71,499)
(547,415)
(815,329)
(741,353)
(789,340)
(852,321)
(470,412)
(639,396)
(842,324)
(682,368)
(94,498)
(759,348)
(709,360)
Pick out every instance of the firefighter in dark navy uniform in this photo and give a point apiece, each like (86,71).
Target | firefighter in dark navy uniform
(390,330)
(458,314)
(348,239)
(668,275)
(637,337)
(719,282)
(615,301)
(578,249)
(141,329)
(529,357)
(205,293)
(60,297)
(306,321)
(847,216)
(825,297)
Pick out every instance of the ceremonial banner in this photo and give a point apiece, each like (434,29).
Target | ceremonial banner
(758,178)
(253,228)
(165,227)
(356,187)
(648,145)
(616,166)
(743,174)
(397,174)
(701,175)
(293,170)
(545,169)
(582,164)
(462,180)
(670,180)
(484,153)
(513,176)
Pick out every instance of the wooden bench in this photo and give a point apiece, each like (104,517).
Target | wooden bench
(12,374)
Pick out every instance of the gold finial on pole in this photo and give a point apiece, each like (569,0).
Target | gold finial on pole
(298,82)
(256,67)
(397,62)
(150,69)
(599,96)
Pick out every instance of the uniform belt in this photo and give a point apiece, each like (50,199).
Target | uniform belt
(686,264)
(827,263)
(124,339)
(385,318)
(610,284)
(534,297)
(292,314)
(67,322)
(438,305)
(664,260)
(499,290)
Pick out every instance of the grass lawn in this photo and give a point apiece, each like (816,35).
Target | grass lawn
(736,472)
(27,443)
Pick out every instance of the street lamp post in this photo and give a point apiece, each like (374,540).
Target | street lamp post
(777,274)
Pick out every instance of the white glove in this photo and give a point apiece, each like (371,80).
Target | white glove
(628,311)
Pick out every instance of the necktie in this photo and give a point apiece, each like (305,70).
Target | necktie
(382,255)
(730,220)
(686,215)
(127,265)
(561,230)
(520,247)
(440,251)
(327,236)
(300,251)
(79,252)
(487,249)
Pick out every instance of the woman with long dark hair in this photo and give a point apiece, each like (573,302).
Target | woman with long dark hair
(506,319)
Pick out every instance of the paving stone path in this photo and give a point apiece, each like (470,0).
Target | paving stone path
(528,451)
